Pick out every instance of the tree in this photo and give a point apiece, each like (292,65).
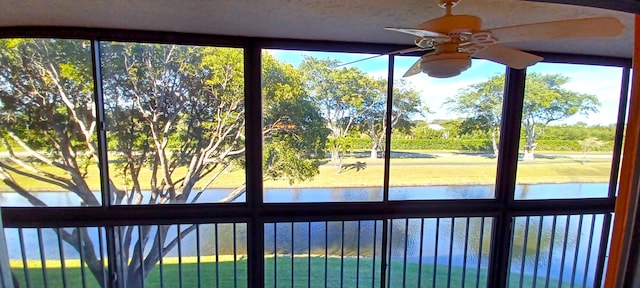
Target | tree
(290,152)
(589,144)
(175,122)
(406,104)
(342,95)
(545,101)
(481,103)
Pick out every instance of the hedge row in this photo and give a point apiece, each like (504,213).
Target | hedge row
(474,145)
(425,144)
(567,145)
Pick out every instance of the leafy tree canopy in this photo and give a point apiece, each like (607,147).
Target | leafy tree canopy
(545,101)
(175,121)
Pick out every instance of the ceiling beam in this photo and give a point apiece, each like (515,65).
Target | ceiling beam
(631,6)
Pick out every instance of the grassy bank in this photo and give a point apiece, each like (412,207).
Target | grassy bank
(351,272)
(365,172)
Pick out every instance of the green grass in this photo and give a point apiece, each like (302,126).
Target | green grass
(366,172)
(338,271)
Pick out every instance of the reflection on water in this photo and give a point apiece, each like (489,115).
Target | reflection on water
(441,192)
(562,247)
(356,194)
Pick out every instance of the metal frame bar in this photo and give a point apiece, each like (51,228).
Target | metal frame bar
(588,257)
(466,246)
(420,253)
(506,176)
(253,156)
(63,269)
(25,264)
(619,137)
(577,252)
(5,272)
(538,246)
(43,259)
(204,213)
(435,254)
(552,242)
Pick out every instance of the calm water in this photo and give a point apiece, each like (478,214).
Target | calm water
(535,191)
(415,236)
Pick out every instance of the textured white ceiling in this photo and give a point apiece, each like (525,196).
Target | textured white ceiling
(342,20)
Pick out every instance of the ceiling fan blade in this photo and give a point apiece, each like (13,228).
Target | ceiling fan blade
(398,52)
(513,58)
(415,69)
(418,32)
(576,28)
(356,61)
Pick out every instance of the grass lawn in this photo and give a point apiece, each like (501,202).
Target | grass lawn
(366,172)
(352,272)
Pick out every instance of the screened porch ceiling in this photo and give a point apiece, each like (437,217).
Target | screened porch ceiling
(339,20)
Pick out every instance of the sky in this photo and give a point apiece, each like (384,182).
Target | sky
(603,82)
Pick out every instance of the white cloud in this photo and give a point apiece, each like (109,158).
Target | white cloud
(603,82)
(436,91)
(378,74)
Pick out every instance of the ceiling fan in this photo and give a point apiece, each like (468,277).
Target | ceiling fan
(454,39)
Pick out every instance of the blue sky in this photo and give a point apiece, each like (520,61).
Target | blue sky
(603,82)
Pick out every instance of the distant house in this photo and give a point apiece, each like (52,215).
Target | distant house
(438,127)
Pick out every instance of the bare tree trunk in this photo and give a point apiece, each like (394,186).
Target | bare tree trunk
(528,155)
(374,150)
(528,150)
(376,140)
(530,140)
(494,143)
(336,158)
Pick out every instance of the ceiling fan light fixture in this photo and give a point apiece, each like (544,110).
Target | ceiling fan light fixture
(445,65)
(455,38)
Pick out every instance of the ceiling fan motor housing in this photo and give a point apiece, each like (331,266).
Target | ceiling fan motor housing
(446,64)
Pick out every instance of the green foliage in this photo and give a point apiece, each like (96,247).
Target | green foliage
(545,101)
(568,138)
(572,145)
(470,145)
(173,112)
(289,153)
(355,143)
(406,105)
(350,101)
(36,88)
(282,160)
(590,144)
(341,94)
(578,132)
(481,104)
(424,132)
